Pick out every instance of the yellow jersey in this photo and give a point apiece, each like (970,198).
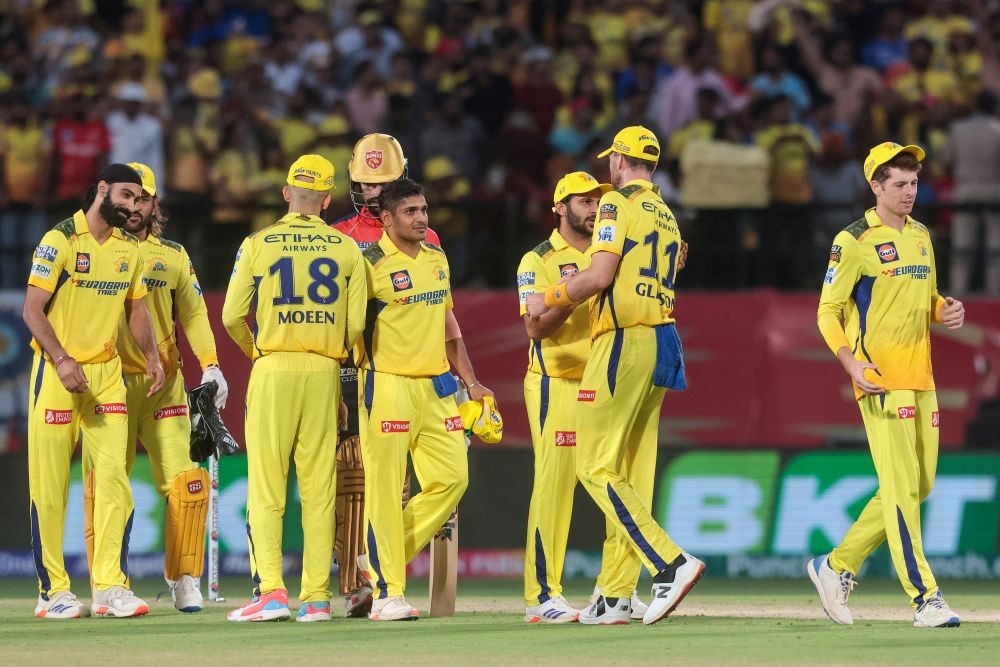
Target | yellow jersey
(174,296)
(404,333)
(879,298)
(564,353)
(635,224)
(306,284)
(89,282)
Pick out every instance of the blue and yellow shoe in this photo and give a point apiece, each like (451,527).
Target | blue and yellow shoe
(311,612)
(272,606)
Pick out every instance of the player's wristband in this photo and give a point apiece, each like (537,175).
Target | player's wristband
(61,359)
(557,295)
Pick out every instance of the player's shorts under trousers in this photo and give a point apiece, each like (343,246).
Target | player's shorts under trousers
(293,401)
(400,415)
(903,429)
(56,419)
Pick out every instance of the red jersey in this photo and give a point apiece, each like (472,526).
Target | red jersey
(366,230)
(78,147)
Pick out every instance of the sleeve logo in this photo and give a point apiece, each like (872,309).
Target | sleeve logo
(83,262)
(830,274)
(401,281)
(907,412)
(453,424)
(887,252)
(565,438)
(46,252)
(58,416)
(936,419)
(43,271)
(835,253)
(526,278)
(567,270)
(609,212)
(606,234)
(389,426)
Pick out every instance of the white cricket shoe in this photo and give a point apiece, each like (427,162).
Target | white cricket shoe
(834,588)
(186,593)
(638,606)
(553,610)
(358,603)
(603,613)
(118,602)
(61,605)
(394,608)
(680,579)
(935,613)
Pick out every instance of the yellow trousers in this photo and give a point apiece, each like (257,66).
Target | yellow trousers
(399,416)
(293,401)
(903,434)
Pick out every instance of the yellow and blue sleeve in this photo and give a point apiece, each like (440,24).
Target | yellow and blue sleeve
(49,261)
(611,225)
(238,297)
(193,314)
(842,274)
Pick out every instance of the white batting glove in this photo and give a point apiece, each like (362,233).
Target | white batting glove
(215,373)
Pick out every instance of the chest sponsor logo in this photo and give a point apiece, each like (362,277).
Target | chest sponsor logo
(935,419)
(373,159)
(83,262)
(401,280)
(915,271)
(430,298)
(43,271)
(567,270)
(565,438)
(153,283)
(835,253)
(46,252)
(195,486)
(525,278)
(907,412)
(58,416)
(586,396)
(389,426)
(453,424)
(887,252)
(110,409)
(170,411)
(606,234)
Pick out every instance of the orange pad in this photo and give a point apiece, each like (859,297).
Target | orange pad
(187,510)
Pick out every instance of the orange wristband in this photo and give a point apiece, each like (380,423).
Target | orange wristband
(557,295)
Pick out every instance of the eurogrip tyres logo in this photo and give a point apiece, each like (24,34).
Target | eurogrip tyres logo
(749,503)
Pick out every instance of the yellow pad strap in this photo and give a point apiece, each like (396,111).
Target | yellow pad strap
(187,509)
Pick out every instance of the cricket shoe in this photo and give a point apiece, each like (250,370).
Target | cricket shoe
(834,589)
(186,594)
(638,606)
(607,611)
(394,608)
(272,606)
(358,603)
(671,585)
(118,602)
(935,613)
(553,610)
(312,612)
(61,605)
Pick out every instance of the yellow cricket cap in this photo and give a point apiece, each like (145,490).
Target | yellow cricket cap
(884,152)
(314,167)
(147,176)
(577,183)
(635,141)
(482,419)
(439,168)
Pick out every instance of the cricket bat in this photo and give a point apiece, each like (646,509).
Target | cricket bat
(444,568)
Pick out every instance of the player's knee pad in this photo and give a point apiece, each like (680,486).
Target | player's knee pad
(187,509)
(350,510)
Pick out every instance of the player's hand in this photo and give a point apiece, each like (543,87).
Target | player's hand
(214,374)
(535,305)
(953,315)
(71,376)
(342,416)
(682,256)
(154,369)
(856,369)
(477,391)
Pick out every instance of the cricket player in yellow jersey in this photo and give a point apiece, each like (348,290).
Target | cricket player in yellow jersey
(86,271)
(407,402)
(308,287)
(635,357)
(879,299)
(162,422)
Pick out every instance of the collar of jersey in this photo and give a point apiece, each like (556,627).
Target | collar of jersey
(297,217)
(874,221)
(557,240)
(80,226)
(366,216)
(389,248)
(644,183)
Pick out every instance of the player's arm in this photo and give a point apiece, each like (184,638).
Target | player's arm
(944,309)
(193,317)
(357,299)
(592,280)
(239,294)
(842,274)
(140,324)
(530,280)
(458,357)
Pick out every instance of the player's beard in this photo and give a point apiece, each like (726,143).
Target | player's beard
(141,226)
(114,215)
(579,224)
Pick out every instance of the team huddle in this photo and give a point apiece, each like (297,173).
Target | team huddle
(351,332)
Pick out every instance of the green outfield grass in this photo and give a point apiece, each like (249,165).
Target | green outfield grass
(496,633)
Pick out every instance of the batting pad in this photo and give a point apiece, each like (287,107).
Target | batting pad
(187,509)
(350,508)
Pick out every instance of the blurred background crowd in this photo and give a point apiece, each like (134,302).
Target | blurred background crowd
(764,110)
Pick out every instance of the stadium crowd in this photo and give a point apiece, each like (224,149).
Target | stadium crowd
(492,100)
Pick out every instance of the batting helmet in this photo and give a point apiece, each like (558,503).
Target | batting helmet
(377,158)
